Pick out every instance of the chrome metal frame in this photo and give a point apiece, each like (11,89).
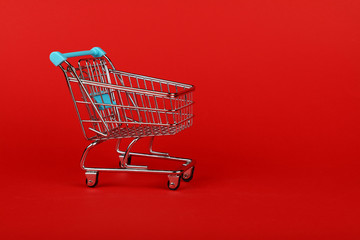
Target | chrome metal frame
(112,104)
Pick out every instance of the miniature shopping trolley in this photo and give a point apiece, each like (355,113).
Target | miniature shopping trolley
(113,104)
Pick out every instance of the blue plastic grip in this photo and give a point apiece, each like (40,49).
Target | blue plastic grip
(57,57)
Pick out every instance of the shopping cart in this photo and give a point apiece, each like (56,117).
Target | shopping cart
(113,104)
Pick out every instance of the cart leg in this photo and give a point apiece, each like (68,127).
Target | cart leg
(85,153)
(154,152)
(124,156)
(118,147)
(91,176)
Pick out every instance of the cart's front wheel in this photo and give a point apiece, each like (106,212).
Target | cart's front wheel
(91,178)
(174,182)
(188,174)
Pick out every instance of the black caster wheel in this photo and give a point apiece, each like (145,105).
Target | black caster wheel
(174,182)
(188,174)
(129,160)
(91,179)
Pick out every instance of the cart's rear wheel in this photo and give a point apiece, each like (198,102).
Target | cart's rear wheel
(129,160)
(91,179)
(188,174)
(174,182)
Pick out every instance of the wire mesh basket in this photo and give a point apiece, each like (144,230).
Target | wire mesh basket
(114,104)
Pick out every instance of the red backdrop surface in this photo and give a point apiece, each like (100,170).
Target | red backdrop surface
(276,132)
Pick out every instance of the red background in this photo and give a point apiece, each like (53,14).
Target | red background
(276,133)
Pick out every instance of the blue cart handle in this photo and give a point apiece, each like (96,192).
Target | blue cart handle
(58,58)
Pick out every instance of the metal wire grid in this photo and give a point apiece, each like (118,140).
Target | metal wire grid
(128,105)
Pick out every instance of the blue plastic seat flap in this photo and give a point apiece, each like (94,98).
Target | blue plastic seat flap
(103,99)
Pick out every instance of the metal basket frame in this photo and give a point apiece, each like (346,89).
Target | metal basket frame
(112,104)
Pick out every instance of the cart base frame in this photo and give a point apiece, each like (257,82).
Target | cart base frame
(185,172)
